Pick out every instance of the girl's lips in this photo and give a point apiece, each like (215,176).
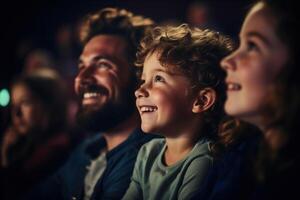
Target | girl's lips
(231,86)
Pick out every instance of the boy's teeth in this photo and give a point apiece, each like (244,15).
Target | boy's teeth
(91,94)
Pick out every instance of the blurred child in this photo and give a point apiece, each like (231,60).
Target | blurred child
(36,143)
(263,89)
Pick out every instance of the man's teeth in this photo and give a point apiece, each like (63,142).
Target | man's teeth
(148,108)
(233,86)
(91,94)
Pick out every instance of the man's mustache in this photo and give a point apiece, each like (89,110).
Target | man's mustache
(92,88)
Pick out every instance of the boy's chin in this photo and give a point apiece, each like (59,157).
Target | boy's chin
(148,129)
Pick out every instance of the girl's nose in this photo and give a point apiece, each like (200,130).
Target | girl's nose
(228,63)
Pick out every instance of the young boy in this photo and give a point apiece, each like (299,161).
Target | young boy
(181,98)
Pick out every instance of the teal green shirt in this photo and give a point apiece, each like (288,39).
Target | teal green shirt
(152,179)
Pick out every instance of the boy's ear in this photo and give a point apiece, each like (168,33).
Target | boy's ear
(204,100)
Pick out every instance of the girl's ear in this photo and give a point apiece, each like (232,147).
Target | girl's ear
(204,100)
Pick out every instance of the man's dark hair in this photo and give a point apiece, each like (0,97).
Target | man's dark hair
(119,22)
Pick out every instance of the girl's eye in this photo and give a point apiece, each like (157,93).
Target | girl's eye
(251,46)
(158,78)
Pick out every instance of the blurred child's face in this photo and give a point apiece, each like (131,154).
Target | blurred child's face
(253,67)
(27,113)
(164,99)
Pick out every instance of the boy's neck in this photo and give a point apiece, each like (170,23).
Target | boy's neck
(177,149)
(184,141)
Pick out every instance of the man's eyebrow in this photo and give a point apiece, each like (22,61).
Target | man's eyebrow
(104,57)
(99,57)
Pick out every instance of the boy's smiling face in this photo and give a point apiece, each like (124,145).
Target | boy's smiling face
(164,99)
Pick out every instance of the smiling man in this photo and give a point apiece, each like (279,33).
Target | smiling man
(101,167)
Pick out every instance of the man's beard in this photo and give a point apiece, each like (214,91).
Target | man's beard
(108,116)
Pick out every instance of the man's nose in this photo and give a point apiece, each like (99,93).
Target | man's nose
(85,76)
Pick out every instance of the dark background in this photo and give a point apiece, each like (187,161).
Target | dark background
(38,20)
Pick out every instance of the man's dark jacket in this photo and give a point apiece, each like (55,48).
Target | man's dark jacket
(68,182)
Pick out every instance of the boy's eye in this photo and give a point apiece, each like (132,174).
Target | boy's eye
(158,78)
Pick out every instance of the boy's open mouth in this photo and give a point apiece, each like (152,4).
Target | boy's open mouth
(146,109)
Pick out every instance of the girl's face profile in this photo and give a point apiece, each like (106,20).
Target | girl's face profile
(253,67)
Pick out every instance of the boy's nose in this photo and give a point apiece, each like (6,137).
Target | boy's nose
(141,92)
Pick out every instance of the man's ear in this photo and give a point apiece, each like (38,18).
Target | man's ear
(204,100)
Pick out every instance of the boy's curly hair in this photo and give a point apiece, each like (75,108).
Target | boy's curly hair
(195,53)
